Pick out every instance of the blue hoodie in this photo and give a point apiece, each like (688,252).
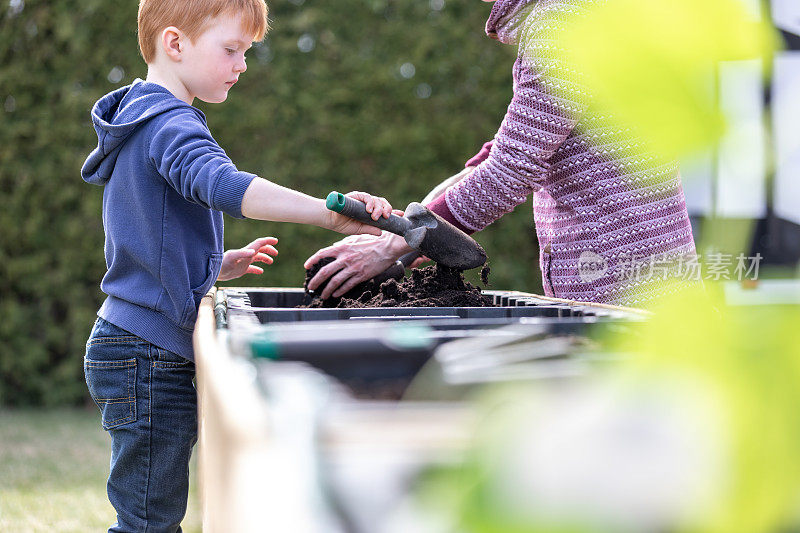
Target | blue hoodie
(166,183)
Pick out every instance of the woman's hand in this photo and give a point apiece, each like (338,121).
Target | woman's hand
(356,259)
(237,263)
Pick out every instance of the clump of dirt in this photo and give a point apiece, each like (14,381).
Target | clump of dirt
(485,274)
(432,286)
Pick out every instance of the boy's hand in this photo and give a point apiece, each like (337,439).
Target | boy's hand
(376,205)
(237,263)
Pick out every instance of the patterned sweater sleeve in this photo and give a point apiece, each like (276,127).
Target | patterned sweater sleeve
(547,104)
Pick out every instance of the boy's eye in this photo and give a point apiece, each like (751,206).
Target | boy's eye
(230,51)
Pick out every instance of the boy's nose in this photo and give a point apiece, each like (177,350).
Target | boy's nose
(241,65)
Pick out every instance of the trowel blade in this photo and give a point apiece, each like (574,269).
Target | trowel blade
(441,241)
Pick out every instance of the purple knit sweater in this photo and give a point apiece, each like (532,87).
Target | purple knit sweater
(610,215)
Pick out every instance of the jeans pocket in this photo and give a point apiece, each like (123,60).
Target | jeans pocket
(165,359)
(112,386)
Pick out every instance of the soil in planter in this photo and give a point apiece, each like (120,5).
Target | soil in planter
(431,286)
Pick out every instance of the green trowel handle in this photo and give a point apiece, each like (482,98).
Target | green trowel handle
(357,210)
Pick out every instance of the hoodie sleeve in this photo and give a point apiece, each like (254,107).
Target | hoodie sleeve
(190,160)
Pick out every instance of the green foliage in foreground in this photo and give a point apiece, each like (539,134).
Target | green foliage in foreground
(343,116)
(691,429)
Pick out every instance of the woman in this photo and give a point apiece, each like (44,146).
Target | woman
(610,215)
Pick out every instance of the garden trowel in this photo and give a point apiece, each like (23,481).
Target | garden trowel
(422,229)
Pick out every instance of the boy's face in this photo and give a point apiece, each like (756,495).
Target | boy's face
(213,62)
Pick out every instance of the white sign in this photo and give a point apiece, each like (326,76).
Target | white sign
(697,175)
(786,123)
(786,14)
(741,188)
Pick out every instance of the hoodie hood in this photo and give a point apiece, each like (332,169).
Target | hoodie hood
(506,19)
(117,115)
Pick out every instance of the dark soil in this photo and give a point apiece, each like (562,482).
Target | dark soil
(432,286)
(485,274)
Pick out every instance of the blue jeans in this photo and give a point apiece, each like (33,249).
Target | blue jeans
(148,404)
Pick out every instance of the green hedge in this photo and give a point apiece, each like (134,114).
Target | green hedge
(338,116)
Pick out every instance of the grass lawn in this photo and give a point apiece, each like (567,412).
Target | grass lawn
(53,469)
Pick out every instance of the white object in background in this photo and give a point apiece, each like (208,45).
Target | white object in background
(741,165)
(697,176)
(786,124)
(697,170)
(767,292)
(786,14)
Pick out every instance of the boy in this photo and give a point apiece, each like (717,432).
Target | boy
(167,183)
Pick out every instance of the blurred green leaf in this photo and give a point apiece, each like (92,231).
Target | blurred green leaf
(653,63)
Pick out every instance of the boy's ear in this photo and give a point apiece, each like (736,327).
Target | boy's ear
(172,42)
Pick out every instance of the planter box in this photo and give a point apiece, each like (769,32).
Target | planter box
(291,437)
(280,305)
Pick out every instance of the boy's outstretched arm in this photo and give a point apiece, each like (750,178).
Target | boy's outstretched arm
(264,200)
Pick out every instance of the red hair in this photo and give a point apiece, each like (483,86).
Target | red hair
(191,17)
